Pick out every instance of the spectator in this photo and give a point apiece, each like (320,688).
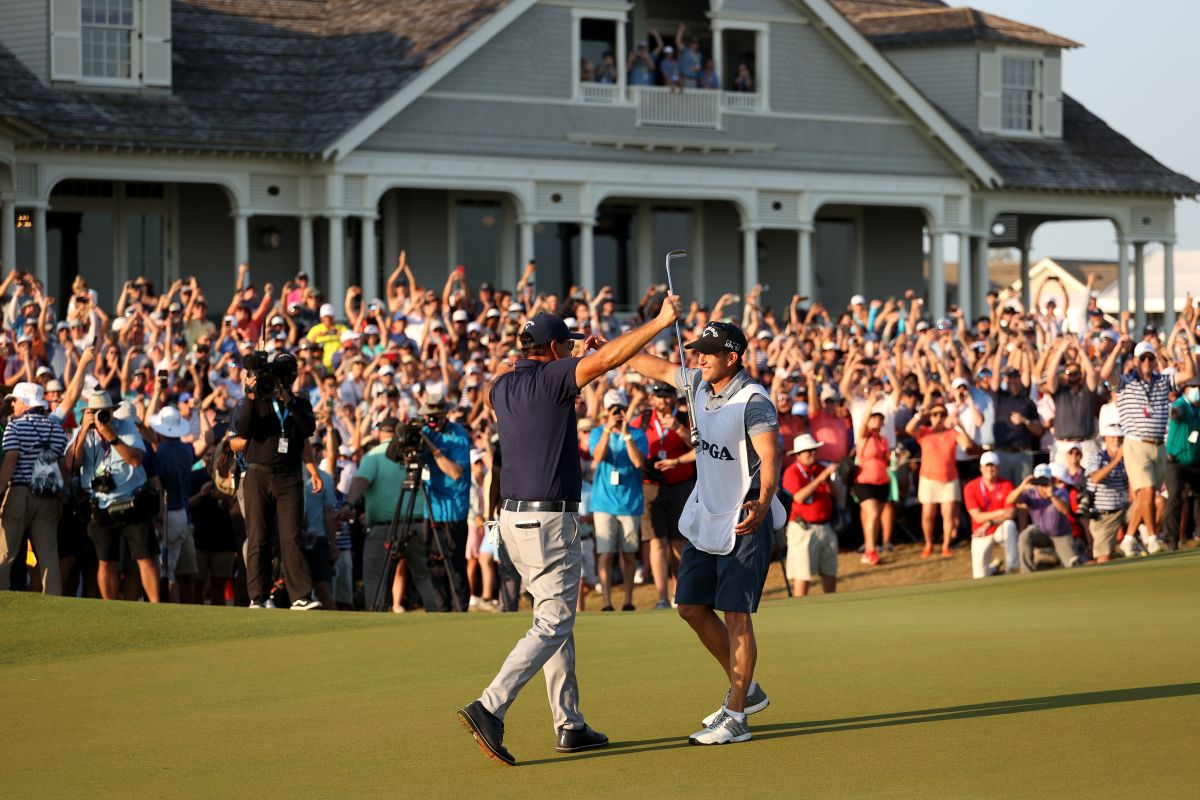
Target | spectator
(690,58)
(448,459)
(938,488)
(605,73)
(1183,461)
(873,485)
(669,69)
(1048,506)
(1017,427)
(743,81)
(327,334)
(172,467)
(1075,398)
(992,522)
(708,78)
(319,542)
(642,64)
(1109,485)
(618,453)
(811,542)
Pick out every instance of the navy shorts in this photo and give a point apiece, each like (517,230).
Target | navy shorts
(732,582)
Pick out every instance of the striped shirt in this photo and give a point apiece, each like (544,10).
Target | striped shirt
(29,434)
(1143,407)
(1113,492)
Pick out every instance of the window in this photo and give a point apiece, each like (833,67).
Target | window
(1018,93)
(107,38)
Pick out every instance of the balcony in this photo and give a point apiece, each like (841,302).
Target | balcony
(608,93)
(659,106)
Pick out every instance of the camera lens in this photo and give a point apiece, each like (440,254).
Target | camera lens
(104,416)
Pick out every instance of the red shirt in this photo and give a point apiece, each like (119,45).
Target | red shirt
(873,457)
(937,453)
(834,431)
(819,506)
(665,443)
(977,498)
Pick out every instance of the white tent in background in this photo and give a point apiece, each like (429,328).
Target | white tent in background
(1187,279)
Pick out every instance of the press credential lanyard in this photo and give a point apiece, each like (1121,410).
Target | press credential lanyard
(282,415)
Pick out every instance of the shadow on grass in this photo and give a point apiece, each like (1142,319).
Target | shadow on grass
(996,708)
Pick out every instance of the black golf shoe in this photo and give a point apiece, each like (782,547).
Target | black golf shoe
(572,741)
(488,732)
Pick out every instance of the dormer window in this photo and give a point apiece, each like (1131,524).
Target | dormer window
(1018,93)
(107,37)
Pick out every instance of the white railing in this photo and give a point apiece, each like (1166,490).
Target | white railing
(740,102)
(598,93)
(659,106)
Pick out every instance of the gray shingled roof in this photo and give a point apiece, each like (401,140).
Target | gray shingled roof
(286,76)
(1090,157)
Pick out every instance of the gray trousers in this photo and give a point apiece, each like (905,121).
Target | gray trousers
(375,557)
(545,549)
(1032,538)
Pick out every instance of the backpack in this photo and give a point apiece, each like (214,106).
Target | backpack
(222,469)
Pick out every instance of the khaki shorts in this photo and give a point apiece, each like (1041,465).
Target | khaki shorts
(214,565)
(930,491)
(1104,531)
(1145,464)
(616,533)
(812,551)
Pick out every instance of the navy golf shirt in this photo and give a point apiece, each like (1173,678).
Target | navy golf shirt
(535,414)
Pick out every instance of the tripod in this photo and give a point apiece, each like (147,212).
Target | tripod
(401,528)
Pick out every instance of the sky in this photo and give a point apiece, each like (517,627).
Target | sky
(1135,72)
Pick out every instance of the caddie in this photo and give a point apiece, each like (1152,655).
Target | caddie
(730,517)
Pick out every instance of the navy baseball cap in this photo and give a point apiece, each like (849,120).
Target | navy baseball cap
(546,328)
(719,337)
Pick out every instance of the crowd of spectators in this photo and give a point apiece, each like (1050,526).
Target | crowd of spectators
(653,62)
(1056,436)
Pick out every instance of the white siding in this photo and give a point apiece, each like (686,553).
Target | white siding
(809,75)
(529,58)
(25,32)
(948,76)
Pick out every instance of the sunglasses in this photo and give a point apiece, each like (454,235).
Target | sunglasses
(937,414)
(1146,357)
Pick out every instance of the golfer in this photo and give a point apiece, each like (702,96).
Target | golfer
(540,484)
(730,517)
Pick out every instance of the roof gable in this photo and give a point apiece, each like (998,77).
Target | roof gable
(910,22)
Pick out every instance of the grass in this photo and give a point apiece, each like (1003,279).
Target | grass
(1064,684)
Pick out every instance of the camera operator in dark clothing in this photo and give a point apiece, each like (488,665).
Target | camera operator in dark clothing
(448,462)
(276,425)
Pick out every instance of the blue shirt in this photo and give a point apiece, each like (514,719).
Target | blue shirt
(535,413)
(172,463)
(99,456)
(315,505)
(449,500)
(625,497)
(1042,511)
(642,73)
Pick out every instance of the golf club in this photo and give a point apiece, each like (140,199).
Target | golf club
(679,341)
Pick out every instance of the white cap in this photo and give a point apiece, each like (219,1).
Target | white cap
(858,300)
(277,320)
(1109,416)
(327,310)
(989,459)
(615,397)
(1059,471)
(492,312)
(1043,471)
(1143,348)
(1112,430)
(349,336)
(474,327)
(459,316)
(516,307)
(960,382)
(763,334)
(387,369)
(31,394)
(371,329)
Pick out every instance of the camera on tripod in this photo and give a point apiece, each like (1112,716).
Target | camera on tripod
(408,444)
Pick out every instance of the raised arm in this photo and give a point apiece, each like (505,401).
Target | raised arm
(626,346)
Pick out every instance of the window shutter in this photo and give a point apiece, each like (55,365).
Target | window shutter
(1052,112)
(989,92)
(156,42)
(66,51)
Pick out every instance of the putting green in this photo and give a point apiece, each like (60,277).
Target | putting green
(1064,684)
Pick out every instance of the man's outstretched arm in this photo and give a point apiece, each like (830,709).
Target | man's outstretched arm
(611,355)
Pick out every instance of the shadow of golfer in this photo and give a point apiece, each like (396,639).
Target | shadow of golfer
(995,708)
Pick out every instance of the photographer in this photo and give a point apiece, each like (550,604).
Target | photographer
(448,458)
(275,425)
(108,453)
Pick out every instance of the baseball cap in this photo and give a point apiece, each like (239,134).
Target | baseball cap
(960,382)
(858,300)
(719,337)
(545,328)
(492,312)
(989,459)
(922,325)
(326,310)
(459,316)
(800,409)
(615,397)
(1042,475)
(662,390)
(1059,472)
(387,424)
(1143,348)
(348,336)
(31,394)
(828,393)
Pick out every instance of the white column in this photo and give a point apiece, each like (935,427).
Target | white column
(749,257)
(982,275)
(805,279)
(1139,286)
(335,291)
(645,249)
(41,269)
(965,293)
(621,62)
(509,272)
(937,275)
(587,256)
(369,264)
(1026,290)
(8,234)
(307,252)
(1123,272)
(241,237)
(1169,286)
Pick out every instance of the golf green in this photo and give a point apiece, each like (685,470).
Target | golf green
(1082,683)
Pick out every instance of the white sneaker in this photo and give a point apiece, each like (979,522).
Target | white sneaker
(473,602)
(307,603)
(256,604)
(724,730)
(756,701)
(639,576)
(1154,545)
(269,603)
(1130,546)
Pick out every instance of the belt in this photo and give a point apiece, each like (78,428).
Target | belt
(561,506)
(1075,438)
(1154,442)
(274,469)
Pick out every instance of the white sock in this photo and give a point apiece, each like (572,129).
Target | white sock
(738,716)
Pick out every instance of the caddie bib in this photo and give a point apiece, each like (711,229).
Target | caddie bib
(723,476)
